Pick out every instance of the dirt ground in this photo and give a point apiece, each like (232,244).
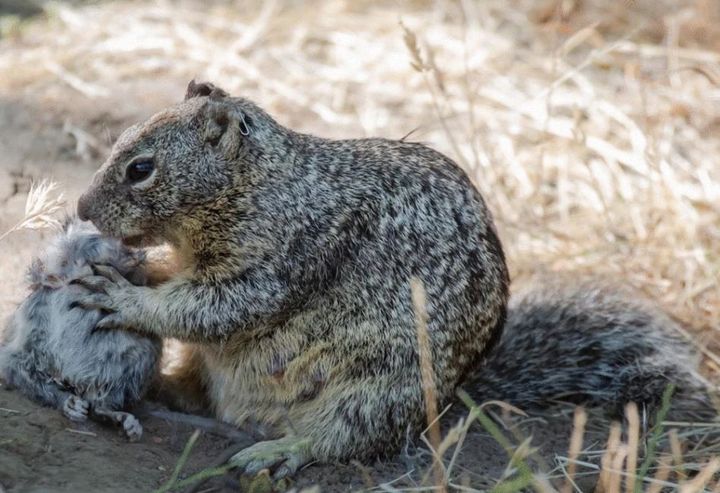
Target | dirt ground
(41,451)
(57,126)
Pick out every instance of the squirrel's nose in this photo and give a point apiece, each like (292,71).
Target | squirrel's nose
(83,208)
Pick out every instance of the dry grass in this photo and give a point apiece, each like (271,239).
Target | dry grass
(592,130)
(41,208)
(419,301)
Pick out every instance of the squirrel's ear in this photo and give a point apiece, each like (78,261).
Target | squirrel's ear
(225,126)
(196,90)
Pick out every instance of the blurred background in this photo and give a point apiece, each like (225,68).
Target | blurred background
(591,127)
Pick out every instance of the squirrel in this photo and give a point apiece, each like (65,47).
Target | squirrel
(293,291)
(50,350)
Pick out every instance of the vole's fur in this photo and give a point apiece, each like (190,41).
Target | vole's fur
(50,349)
(297,254)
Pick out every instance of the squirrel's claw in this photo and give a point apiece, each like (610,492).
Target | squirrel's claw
(106,277)
(95,284)
(110,293)
(96,301)
(111,321)
(110,273)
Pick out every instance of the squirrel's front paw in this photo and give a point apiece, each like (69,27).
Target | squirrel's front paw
(75,408)
(114,316)
(112,294)
(105,279)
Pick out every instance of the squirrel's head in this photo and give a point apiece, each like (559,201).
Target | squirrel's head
(184,161)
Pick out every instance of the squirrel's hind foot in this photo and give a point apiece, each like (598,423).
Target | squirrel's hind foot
(283,457)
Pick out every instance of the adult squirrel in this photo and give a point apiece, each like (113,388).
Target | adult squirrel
(294,287)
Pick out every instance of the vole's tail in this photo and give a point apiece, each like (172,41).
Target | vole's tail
(591,343)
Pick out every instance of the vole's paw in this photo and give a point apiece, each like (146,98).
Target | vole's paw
(131,426)
(282,457)
(75,408)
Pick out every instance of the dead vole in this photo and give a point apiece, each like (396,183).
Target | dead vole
(50,350)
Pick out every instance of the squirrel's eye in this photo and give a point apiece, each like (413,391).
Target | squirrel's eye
(139,170)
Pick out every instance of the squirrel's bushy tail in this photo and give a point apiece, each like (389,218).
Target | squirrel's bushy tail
(591,343)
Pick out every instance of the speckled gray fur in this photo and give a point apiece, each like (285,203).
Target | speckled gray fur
(591,342)
(50,350)
(296,256)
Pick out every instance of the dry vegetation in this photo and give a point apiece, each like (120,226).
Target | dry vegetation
(592,130)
